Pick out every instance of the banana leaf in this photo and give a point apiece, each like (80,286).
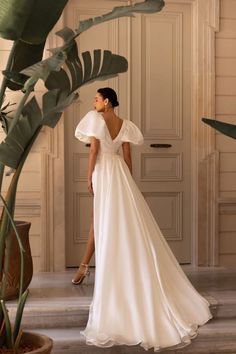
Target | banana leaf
(42,69)
(42,19)
(29,20)
(54,103)
(85,70)
(17,140)
(13,17)
(147,6)
(15,80)
(6,122)
(25,55)
(224,128)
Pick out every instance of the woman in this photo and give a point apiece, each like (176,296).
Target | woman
(141,294)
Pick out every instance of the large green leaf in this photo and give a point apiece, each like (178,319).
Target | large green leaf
(29,20)
(25,55)
(42,69)
(42,19)
(85,70)
(147,6)
(20,135)
(54,103)
(224,128)
(13,17)
(15,79)
(58,80)
(17,140)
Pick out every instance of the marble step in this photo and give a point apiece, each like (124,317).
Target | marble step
(54,302)
(64,312)
(216,337)
(73,312)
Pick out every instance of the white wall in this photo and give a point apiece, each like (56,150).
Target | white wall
(226,111)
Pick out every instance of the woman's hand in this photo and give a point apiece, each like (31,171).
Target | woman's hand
(90,186)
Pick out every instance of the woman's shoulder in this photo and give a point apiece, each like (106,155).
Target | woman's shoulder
(92,116)
(92,124)
(132,133)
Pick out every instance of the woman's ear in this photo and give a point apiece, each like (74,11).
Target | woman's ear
(106,101)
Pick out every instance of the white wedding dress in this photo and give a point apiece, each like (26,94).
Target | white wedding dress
(141,294)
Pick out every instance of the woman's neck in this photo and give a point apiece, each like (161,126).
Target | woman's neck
(109,114)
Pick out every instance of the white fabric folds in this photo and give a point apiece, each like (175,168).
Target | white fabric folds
(141,294)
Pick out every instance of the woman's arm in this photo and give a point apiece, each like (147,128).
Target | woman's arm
(93,151)
(127,155)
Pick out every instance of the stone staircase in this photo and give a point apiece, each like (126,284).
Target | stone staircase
(59,309)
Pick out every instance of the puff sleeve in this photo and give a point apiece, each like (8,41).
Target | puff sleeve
(91,125)
(132,134)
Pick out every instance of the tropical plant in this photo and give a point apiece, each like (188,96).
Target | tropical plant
(224,128)
(27,23)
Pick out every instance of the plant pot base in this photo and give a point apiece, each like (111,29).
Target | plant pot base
(32,343)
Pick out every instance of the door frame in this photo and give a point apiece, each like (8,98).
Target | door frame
(204,166)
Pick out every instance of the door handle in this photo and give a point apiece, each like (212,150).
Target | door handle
(165,146)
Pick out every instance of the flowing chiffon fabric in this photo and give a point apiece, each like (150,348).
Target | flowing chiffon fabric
(141,294)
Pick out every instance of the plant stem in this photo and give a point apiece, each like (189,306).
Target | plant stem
(8,67)
(2,167)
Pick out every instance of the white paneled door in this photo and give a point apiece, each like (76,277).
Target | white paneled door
(156,95)
(161,106)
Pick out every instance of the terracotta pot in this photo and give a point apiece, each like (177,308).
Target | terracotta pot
(41,341)
(12,249)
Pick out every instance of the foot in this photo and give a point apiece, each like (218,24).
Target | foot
(81,273)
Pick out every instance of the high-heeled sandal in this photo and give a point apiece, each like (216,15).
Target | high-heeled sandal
(83,273)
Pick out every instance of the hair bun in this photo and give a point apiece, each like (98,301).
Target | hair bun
(110,94)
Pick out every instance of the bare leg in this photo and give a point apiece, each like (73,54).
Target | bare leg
(90,244)
(90,248)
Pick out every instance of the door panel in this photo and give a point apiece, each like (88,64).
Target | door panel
(78,200)
(161,95)
(155,94)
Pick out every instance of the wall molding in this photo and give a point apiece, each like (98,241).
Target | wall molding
(53,188)
(227,206)
(205,15)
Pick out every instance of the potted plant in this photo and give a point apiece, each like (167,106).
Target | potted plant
(27,24)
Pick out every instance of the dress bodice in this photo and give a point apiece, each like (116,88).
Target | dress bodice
(94,125)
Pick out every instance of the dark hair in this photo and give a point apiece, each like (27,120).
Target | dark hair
(110,94)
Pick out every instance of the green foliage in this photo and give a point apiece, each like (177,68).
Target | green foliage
(29,20)
(148,6)
(224,128)
(82,71)
(18,138)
